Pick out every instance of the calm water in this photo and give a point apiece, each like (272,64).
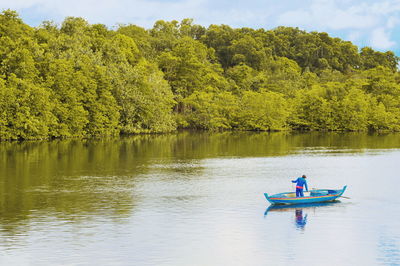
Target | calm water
(197,199)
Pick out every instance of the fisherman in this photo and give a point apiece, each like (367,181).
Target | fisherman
(300,182)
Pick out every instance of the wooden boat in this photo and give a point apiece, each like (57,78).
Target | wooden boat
(312,196)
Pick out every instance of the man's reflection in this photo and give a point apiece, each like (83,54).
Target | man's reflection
(300,217)
(300,220)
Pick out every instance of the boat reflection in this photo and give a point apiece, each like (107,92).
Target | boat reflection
(300,211)
(300,221)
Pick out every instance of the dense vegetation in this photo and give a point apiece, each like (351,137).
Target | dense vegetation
(79,80)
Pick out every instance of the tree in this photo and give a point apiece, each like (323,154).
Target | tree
(145,99)
(262,111)
(211,110)
(141,37)
(25,110)
(242,78)
(80,80)
(354,110)
(372,59)
(250,51)
(188,68)
(68,100)
(311,109)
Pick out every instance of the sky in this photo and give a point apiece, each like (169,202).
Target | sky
(365,23)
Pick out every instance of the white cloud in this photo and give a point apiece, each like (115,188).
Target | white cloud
(392,22)
(381,39)
(362,21)
(18,4)
(354,36)
(139,12)
(324,14)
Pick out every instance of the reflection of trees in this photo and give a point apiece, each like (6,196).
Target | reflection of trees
(205,144)
(66,178)
(72,177)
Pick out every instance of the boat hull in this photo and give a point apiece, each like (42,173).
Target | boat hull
(315,197)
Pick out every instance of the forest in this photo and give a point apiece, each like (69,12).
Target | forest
(78,80)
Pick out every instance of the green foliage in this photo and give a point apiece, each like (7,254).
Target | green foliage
(372,59)
(188,67)
(141,37)
(145,99)
(311,110)
(12,26)
(82,80)
(314,51)
(250,51)
(69,108)
(353,110)
(211,110)
(243,77)
(262,111)
(284,76)
(25,110)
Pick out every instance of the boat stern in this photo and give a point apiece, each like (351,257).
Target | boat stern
(266,196)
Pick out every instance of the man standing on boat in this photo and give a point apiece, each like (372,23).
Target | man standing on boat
(300,182)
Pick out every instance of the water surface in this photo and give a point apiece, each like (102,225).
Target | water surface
(197,199)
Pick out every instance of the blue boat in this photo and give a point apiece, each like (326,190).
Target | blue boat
(312,196)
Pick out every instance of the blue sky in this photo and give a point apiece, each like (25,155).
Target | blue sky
(365,23)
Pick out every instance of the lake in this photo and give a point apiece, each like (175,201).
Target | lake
(196,198)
